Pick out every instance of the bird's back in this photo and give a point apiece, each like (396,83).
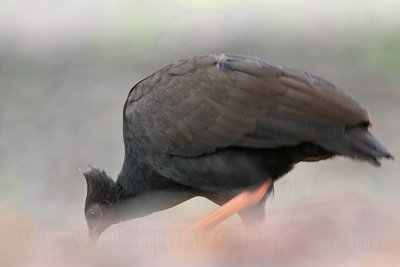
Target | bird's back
(237,107)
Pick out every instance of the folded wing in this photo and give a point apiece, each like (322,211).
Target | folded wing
(201,104)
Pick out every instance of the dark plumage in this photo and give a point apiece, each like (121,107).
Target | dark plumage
(215,125)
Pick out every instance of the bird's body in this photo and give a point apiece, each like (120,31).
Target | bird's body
(215,125)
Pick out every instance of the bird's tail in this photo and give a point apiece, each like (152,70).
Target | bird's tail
(359,143)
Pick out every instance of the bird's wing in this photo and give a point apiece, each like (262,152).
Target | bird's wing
(200,104)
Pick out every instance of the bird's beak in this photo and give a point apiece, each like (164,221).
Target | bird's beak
(94,234)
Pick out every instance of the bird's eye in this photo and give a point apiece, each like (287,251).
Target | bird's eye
(94,214)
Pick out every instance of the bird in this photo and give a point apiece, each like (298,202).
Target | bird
(224,127)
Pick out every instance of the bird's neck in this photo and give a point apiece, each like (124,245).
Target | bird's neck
(136,178)
(141,191)
(147,203)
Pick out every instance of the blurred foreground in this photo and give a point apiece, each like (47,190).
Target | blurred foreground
(341,230)
(66,69)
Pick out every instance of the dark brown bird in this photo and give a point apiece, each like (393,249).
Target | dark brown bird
(218,125)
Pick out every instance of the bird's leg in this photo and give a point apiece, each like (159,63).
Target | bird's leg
(254,216)
(243,200)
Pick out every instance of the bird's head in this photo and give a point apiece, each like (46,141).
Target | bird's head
(101,195)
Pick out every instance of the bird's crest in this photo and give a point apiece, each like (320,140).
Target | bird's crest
(100,187)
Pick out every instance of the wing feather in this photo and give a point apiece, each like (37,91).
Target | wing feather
(200,104)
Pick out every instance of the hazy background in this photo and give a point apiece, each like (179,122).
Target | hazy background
(66,68)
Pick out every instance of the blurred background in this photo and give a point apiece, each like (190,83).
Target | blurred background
(66,68)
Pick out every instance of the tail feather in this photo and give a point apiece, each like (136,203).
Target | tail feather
(359,143)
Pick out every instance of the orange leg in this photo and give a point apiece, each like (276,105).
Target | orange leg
(236,204)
